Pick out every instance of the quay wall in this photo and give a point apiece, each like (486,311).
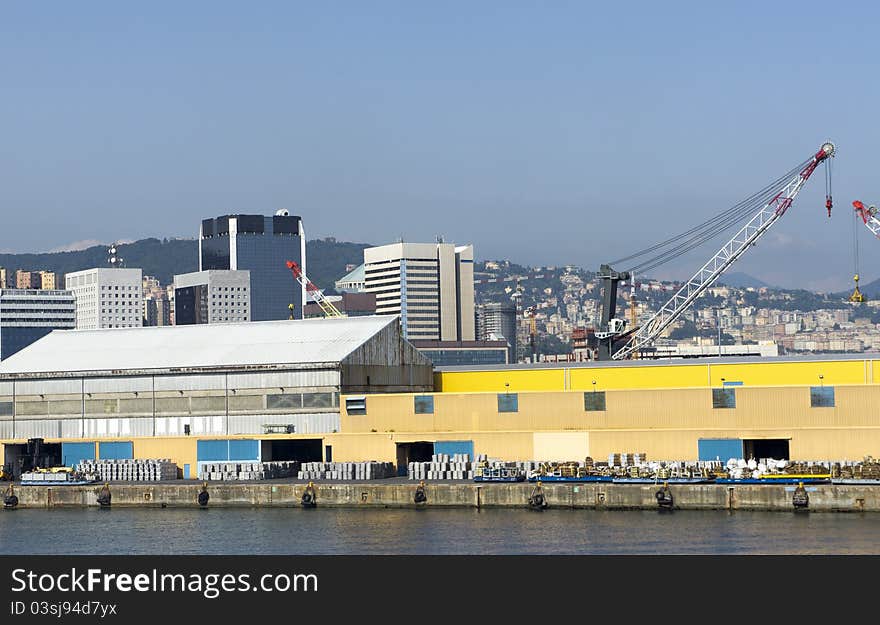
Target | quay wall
(823,497)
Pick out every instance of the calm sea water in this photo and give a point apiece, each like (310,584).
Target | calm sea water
(293,531)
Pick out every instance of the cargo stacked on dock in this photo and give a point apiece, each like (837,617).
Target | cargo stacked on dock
(148,470)
(346,471)
(442,467)
(248,471)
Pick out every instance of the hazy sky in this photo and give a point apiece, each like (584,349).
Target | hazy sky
(543,132)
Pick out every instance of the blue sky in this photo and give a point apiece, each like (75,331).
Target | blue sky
(548,133)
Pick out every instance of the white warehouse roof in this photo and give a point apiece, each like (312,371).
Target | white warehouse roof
(253,343)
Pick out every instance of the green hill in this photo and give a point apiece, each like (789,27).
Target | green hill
(327,259)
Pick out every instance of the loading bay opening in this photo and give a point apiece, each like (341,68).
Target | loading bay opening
(301,449)
(777,448)
(419,451)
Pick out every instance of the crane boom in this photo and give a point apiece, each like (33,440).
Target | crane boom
(723,258)
(326,305)
(869,216)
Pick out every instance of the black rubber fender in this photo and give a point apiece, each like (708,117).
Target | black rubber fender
(204,497)
(10,501)
(420,496)
(308,498)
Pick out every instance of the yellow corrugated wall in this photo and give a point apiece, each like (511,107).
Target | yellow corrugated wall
(382,447)
(181,450)
(561,446)
(644,375)
(494,381)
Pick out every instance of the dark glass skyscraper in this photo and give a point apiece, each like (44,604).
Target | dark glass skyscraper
(262,245)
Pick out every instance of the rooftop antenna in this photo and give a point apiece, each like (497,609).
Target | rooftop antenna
(439,238)
(113,257)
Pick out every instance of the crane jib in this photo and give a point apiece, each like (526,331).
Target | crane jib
(781,198)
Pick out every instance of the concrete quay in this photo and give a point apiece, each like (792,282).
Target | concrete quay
(399,493)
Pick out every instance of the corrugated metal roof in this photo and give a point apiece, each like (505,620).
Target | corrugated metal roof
(253,343)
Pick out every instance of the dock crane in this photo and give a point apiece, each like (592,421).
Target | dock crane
(326,305)
(771,202)
(869,218)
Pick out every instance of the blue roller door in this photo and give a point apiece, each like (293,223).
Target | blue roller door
(454,447)
(722,449)
(212,451)
(244,450)
(73,453)
(221,451)
(123,450)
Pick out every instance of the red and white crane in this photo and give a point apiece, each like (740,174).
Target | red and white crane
(773,201)
(326,305)
(869,216)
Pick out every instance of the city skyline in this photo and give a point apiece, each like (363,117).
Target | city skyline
(572,136)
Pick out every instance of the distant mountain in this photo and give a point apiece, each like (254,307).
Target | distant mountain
(740,280)
(326,258)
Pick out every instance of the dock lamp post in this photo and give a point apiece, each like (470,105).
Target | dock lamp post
(821,383)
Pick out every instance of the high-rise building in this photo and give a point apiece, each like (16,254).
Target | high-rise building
(430,285)
(156,308)
(496,321)
(47,280)
(27,315)
(107,298)
(169,297)
(28,280)
(214,296)
(2,278)
(261,245)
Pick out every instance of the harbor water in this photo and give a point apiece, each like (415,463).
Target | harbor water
(330,531)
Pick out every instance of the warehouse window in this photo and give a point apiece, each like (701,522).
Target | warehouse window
(594,401)
(280,402)
(508,402)
(821,397)
(356,405)
(724,398)
(6,408)
(423,404)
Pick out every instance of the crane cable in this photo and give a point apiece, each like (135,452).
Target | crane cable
(855,243)
(828,201)
(709,229)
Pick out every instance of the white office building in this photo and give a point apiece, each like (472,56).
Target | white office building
(27,315)
(212,296)
(107,298)
(430,285)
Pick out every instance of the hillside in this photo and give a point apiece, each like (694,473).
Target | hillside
(164,258)
(740,280)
